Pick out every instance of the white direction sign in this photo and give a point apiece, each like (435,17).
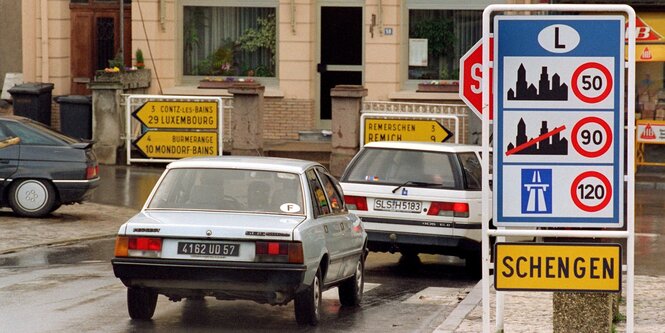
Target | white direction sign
(558,157)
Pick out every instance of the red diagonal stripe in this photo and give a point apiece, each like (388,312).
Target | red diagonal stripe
(534,141)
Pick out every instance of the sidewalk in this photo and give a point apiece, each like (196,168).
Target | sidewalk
(531,312)
(69,224)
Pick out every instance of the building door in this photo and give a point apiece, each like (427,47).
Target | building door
(341,53)
(95,38)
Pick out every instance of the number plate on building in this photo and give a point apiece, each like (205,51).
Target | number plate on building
(398,206)
(209,249)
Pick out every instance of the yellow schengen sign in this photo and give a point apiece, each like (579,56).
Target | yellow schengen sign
(557,267)
(171,144)
(405,130)
(178,115)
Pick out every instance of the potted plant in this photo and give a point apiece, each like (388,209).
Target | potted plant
(140,62)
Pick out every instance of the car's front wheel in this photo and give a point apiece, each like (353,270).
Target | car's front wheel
(308,303)
(141,303)
(32,197)
(351,290)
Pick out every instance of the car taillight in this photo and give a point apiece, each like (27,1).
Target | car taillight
(91,171)
(355,203)
(279,252)
(121,246)
(454,209)
(138,247)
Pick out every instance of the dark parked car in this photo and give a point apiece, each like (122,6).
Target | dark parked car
(42,169)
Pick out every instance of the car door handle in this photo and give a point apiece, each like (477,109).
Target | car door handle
(4,161)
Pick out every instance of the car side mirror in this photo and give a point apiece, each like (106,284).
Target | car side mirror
(10,142)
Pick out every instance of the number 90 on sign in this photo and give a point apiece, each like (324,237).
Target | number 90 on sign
(591,137)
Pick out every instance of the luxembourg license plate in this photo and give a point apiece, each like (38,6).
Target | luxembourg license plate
(209,248)
(403,206)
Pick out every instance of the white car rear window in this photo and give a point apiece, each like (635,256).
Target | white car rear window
(230,190)
(395,166)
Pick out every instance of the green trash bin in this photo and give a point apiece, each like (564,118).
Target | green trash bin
(33,100)
(76,116)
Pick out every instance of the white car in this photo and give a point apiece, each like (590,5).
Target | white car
(269,230)
(418,197)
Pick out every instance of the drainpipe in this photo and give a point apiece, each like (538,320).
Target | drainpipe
(44,40)
(122,32)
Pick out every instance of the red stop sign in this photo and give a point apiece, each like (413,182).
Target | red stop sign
(471,78)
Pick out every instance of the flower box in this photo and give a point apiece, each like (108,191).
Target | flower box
(221,84)
(131,79)
(205,84)
(441,87)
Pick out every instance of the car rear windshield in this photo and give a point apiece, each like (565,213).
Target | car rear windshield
(396,166)
(34,133)
(230,190)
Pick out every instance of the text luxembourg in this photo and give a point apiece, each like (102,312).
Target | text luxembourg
(559,267)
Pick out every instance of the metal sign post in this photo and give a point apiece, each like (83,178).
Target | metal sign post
(558,83)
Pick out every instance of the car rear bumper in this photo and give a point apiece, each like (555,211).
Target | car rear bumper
(75,190)
(261,282)
(388,241)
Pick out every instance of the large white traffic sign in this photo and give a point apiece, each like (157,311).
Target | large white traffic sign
(558,153)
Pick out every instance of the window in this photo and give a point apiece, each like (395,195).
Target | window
(32,133)
(229,41)
(472,170)
(394,167)
(438,38)
(319,200)
(336,202)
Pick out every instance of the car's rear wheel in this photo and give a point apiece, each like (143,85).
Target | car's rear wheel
(32,197)
(351,290)
(474,264)
(308,303)
(141,303)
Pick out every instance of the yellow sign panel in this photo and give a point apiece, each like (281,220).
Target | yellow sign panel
(557,267)
(178,115)
(405,130)
(167,144)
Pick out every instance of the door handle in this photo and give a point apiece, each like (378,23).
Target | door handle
(4,161)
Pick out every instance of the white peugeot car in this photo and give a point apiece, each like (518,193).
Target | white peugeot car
(269,230)
(418,197)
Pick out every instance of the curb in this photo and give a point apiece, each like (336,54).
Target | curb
(457,316)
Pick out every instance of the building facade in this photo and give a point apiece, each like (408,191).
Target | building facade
(297,49)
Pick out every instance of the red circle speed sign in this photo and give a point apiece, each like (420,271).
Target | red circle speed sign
(591,137)
(583,188)
(592,83)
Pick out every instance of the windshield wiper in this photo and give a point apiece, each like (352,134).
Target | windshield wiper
(411,182)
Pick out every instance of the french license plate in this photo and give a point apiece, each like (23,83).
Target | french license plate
(209,249)
(398,205)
